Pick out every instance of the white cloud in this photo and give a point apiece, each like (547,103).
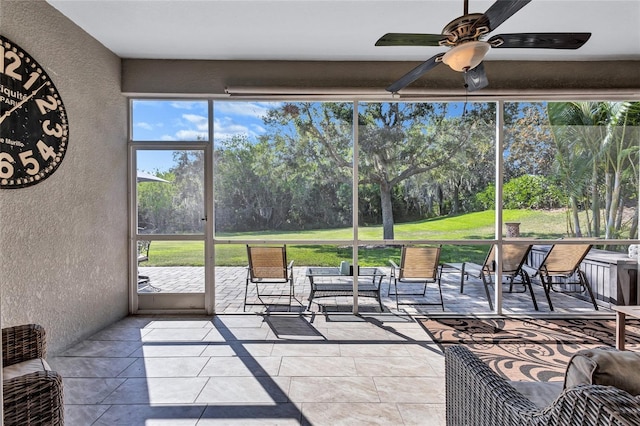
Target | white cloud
(199,120)
(189,105)
(247,109)
(191,135)
(144,125)
(226,128)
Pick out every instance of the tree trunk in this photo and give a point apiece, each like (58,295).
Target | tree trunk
(607,198)
(613,208)
(633,232)
(387,211)
(595,202)
(576,219)
(620,214)
(455,205)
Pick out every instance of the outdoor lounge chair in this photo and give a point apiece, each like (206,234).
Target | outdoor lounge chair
(267,267)
(418,265)
(513,259)
(563,261)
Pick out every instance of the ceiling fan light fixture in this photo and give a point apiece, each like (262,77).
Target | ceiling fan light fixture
(466,56)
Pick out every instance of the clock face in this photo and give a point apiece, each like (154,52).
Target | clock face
(34,131)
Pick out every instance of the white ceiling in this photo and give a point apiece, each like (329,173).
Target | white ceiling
(344,30)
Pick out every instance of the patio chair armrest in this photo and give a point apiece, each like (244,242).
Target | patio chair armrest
(34,398)
(290,266)
(22,343)
(394,268)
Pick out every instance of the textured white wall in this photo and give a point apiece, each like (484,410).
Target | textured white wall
(63,242)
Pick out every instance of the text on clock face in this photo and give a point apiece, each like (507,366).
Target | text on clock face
(33,120)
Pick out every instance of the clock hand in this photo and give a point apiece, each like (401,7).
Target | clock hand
(19,104)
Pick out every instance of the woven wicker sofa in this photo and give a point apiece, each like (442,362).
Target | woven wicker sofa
(32,393)
(477,396)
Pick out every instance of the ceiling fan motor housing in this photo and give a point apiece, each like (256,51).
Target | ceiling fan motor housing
(463,29)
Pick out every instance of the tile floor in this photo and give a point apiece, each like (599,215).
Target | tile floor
(319,367)
(279,369)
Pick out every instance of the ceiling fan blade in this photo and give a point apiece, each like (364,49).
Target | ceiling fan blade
(415,73)
(540,40)
(499,12)
(408,39)
(476,78)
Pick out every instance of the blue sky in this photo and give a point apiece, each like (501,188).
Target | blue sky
(186,120)
(161,120)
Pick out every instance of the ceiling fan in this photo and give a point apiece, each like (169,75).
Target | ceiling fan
(465,38)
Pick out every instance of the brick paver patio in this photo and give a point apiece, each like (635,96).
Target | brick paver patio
(230,286)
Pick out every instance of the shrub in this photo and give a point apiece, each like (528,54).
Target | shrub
(524,192)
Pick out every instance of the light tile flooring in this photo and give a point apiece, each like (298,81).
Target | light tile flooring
(305,367)
(280,369)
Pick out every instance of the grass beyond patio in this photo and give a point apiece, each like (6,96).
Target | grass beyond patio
(478,225)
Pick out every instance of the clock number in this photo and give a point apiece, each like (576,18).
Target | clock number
(45,150)
(6,168)
(33,77)
(56,131)
(12,66)
(27,161)
(50,104)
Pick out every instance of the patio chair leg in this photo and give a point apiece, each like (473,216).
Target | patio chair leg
(527,283)
(547,289)
(486,291)
(395,286)
(246,290)
(291,291)
(462,278)
(585,283)
(440,291)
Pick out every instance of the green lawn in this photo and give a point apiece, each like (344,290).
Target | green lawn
(480,225)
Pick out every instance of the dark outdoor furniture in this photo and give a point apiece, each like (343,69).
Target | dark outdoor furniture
(330,281)
(563,262)
(268,267)
(32,393)
(418,265)
(143,256)
(514,257)
(477,396)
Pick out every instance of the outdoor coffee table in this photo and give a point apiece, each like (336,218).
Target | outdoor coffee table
(621,314)
(328,282)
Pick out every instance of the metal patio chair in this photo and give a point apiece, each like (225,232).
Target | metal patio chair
(563,262)
(418,265)
(268,267)
(514,257)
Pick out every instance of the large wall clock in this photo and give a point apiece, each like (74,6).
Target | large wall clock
(34,131)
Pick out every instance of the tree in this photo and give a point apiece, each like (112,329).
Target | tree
(620,146)
(397,140)
(528,146)
(596,139)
